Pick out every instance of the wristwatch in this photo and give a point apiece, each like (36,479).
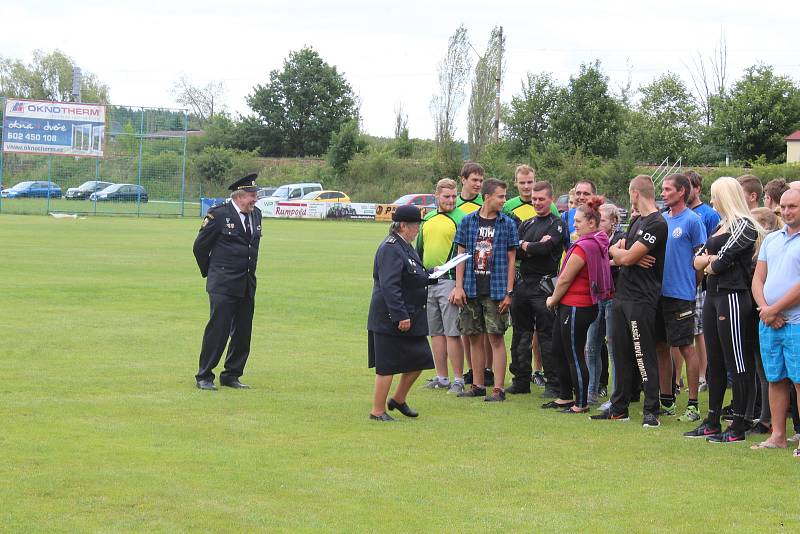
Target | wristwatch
(510,293)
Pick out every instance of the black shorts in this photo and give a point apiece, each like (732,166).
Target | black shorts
(675,321)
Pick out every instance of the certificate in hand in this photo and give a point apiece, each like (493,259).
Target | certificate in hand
(440,270)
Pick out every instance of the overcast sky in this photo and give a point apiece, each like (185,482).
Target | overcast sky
(389,50)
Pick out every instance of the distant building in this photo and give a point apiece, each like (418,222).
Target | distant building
(793,147)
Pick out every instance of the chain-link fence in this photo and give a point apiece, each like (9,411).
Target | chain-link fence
(142,171)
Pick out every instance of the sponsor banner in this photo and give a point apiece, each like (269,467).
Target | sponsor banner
(383,212)
(296,210)
(67,129)
(351,210)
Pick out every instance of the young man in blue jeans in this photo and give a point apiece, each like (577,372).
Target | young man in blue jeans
(485,284)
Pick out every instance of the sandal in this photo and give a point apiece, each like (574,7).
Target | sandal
(765,445)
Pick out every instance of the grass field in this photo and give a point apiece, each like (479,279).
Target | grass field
(41,206)
(103,429)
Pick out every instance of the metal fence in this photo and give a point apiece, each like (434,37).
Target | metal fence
(144,154)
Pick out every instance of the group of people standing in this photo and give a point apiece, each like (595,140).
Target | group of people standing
(579,292)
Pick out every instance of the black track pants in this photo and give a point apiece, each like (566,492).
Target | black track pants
(569,344)
(725,316)
(634,354)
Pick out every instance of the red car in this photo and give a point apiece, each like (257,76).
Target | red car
(418,199)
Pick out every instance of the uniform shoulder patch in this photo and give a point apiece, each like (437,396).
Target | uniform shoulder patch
(391,239)
(206,220)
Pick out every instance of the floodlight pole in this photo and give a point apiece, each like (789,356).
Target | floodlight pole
(497,89)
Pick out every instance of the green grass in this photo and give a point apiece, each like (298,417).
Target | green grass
(103,429)
(41,206)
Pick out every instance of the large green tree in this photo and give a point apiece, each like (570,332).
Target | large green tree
(48,77)
(301,107)
(666,122)
(587,116)
(529,117)
(759,110)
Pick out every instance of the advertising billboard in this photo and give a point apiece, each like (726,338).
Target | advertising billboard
(60,128)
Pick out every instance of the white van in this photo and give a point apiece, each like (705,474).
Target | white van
(288,192)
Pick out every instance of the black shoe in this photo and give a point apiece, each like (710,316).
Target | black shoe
(608,416)
(206,384)
(538,379)
(650,420)
(403,408)
(760,428)
(703,431)
(382,417)
(570,410)
(603,392)
(473,391)
(729,436)
(233,383)
(468,377)
(727,413)
(488,377)
(518,389)
(498,395)
(553,405)
(549,394)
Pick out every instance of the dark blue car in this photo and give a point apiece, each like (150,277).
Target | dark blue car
(32,189)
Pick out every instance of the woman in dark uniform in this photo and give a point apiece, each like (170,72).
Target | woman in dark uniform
(398,323)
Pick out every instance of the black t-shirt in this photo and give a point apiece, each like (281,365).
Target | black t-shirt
(482,255)
(638,284)
(713,246)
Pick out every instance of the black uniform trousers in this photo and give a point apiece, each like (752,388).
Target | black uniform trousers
(529,313)
(725,327)
(230,317)
(634,352)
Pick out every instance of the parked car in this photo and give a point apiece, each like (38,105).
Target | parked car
(288,192)
(86,189)
(264,192)
(423,200)
(326,196)
(623,212)
(35,188)
(121,192)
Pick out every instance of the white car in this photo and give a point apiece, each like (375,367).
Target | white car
(287,192)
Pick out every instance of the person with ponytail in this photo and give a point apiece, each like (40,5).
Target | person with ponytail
(584,280)
(727,262)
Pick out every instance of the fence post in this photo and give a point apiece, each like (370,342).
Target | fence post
(183,169)
(96,177)
(139,173)
(49,181)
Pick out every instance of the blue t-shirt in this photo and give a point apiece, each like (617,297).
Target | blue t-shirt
(569,218)
(709,216)
(782,254)
(685,233)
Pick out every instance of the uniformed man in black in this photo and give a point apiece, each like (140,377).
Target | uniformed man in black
(226,250)
(541,243)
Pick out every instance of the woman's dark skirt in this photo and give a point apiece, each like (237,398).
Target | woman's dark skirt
(391,355)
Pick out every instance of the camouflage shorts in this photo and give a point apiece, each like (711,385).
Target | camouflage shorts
(481,315)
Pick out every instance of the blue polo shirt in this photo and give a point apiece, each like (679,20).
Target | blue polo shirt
(709,216)
(685,232)
(781,251)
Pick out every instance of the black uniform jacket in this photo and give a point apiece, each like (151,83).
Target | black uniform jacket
(400,289)
(224,254)
(541,259)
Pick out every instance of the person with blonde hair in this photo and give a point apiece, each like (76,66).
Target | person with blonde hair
(727,262)
(767,218)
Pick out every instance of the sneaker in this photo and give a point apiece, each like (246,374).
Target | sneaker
(603,392)
(605,406)
(473,391)
(676,389)
(518,389)
(703,431)
(498,395)
(468,377)
(668,410)
(538,379)
(435,383)
(727,413)
(795,438)
(691,414)
(456,388)
(608,416)
(729,436)
(488,377)
(760,428)
(650,421)
(703,386)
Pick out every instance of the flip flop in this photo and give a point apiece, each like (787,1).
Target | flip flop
(765,445)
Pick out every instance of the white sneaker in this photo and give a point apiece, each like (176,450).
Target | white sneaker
(456,388)
(435,383)
(795,438)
